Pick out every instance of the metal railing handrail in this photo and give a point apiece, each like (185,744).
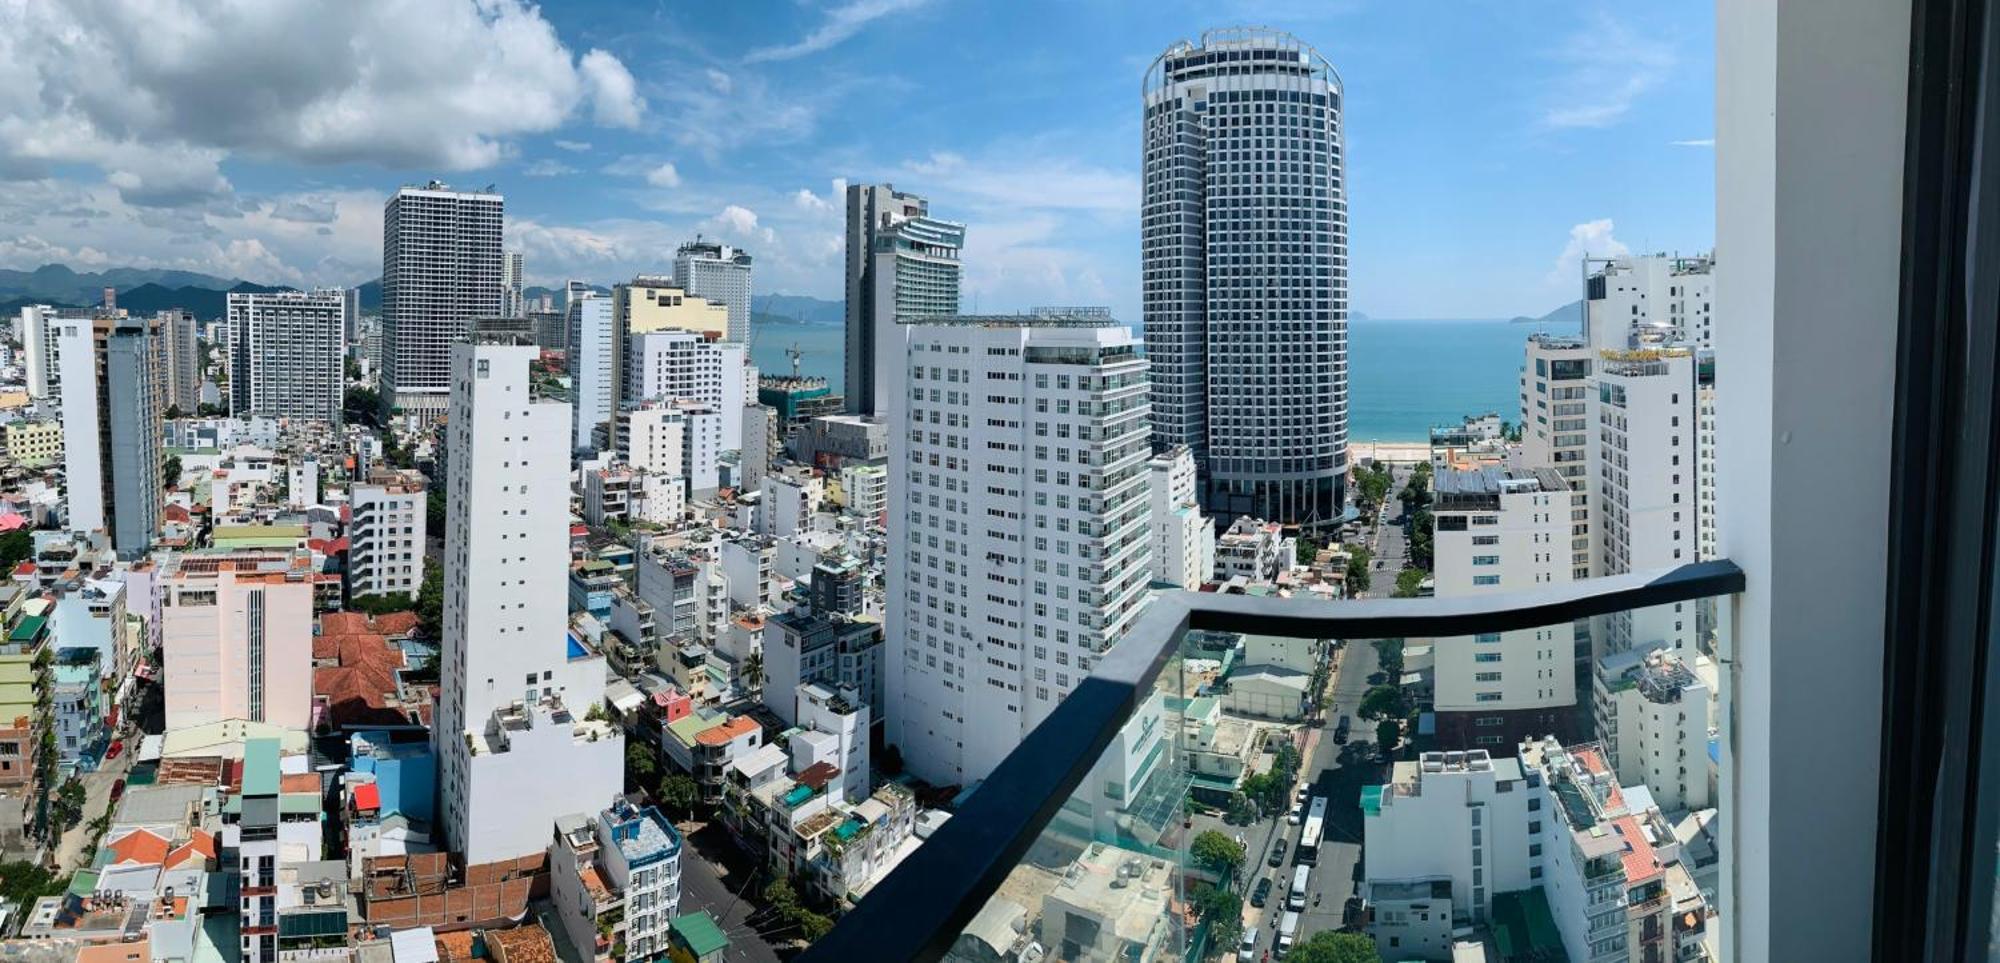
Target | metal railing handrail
(921,907)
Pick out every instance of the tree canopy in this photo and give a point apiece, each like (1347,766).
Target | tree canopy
(1327,946)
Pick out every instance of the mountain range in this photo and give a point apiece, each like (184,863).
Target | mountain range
(1569,315)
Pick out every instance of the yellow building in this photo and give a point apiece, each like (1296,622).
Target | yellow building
(651,303)
(35,444)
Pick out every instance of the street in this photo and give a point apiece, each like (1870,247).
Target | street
(718,877)
(1337,772)
(1391,544)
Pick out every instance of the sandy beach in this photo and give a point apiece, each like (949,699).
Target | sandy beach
(1395,452)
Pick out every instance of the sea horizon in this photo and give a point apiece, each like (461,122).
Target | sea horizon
(1405,375)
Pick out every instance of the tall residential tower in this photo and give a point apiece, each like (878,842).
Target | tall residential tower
(1244,257)
(721,274)
(440,269)
(901,263)
(285,351)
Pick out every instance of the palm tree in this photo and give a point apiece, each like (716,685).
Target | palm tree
(753,671)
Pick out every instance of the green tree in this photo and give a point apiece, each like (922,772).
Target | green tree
(1388,735)
(362,406)
(430,601)
(641,767)
(1409,582)
(1224,912)
(22,883)
(1327,946)
(434,512)
(381,604)
(172,412)
(1359,558)
(170,472)
(753,671)
(1422,539)
(678,791)
(1217,852)
(1380,701)
(1303,550)
(16,547)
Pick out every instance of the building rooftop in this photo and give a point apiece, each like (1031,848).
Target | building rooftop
(643,836)
(260,767)
(698,932)
(1495,481)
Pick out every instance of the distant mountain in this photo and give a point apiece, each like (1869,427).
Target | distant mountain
(1358,316)
(204,302)
(58,283)
(371,296)
(797,308)
(1569,315)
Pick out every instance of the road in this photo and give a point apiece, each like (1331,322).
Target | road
(1391,544)
(71,853)
(718,877)
(1337,772)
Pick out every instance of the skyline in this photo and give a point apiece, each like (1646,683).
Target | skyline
(617,136)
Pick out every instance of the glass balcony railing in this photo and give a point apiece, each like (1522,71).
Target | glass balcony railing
(1252,772)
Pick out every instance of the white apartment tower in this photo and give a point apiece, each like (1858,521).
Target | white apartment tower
(1244,256)
(39,324)
(1632,301)
(440,270)
(1183,539)
(514,684)
(1501,530)
(901,263)
(671,364)
(1644,494)
(1558,415)
(720,274)
(511,303)
(386,555)
(1019,526)
(111,396)
(285,352)
(592,367)
(1652,714)
(1458,817)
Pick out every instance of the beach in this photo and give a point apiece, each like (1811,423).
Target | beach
(1395,452)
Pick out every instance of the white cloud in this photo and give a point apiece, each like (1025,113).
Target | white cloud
(810,202)
(841,23)
(1608,67)
(720,81)
(614,97)
(573,146)
(547,167)
(1589,239)
(738,219)
(664,176)
(1028,177)
(1703,142)
(157,95)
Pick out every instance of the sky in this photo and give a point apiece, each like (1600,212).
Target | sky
(1490,144)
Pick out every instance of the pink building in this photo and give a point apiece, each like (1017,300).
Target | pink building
(237,639)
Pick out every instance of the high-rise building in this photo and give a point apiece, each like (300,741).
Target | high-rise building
(1019,526)
(386,553)
(720,274)
(180,359)
(351,314)
(1244,256)
(511,304)
(901,263)
(592,371)
(1183,540)
(111,405)
(1503,530)
(515,684)
(653,303)
(1651,709)
(237,643)
(285,353)
(1631,301)
(1643,449)
(670,364)
(39,324)
(440,270)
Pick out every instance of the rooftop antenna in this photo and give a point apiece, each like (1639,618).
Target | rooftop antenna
(795,354)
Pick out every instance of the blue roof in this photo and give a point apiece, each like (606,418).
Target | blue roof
(260,767)
(643,836)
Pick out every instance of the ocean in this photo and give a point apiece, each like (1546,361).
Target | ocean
(1403,375)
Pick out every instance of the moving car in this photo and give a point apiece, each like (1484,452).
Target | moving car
(1341,730)
(1262,894)
(1296,899)
(1288,931)
(1247,950)
(1278,853)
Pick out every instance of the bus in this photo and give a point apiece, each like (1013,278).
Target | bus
(1309,832)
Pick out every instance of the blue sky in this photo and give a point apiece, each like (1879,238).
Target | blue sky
(1488,143)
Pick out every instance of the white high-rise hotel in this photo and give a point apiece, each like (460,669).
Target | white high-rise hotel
(285,351)
(901,263)
(1244,254)
(720,274)
(1019,520)
(515,687)
(441,268)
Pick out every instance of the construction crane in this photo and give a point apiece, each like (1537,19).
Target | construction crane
(795,354)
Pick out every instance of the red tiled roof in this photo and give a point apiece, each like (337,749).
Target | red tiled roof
(367,796)
(176,513)
(25,568)
(140,846)
(819,774)
(199,848)
(726,732)
(299,782)
(1640,863)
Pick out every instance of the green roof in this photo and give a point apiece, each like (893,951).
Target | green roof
(258,536)
(1523,927)
(260,767)
(1371,800)
(699,932)
(28,629)
(299,803)
(84,884)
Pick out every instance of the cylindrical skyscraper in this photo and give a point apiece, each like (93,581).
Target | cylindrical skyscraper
(1244,255)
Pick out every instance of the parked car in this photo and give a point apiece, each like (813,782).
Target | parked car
(117,746)
(1341,729)
(1247,951)
(1351,915)
(1262,894)
(1278,853)
(117,790)
(1297,815)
